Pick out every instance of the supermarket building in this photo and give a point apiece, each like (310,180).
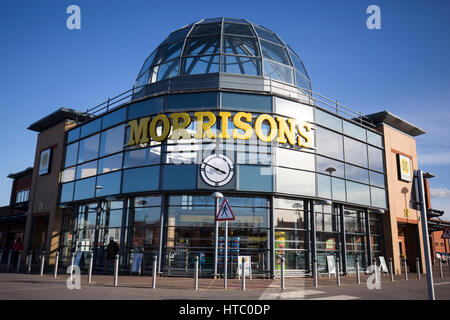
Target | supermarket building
(225,105)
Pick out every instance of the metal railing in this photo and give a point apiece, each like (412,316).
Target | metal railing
(313,98)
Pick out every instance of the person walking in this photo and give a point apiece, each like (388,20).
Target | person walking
(111,250)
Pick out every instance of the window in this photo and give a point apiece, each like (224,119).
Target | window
(294,110)
(328,120)
(88,148)
(295,182)
(87,169)
(241,65)
(22,196)
(109,164)
(255,178)
(73,134)
(354,131)
(355,152)
(90,128)
(376,159)
(145,108)
(358,193)
(141,179)
(192,101)
(112,140)
(108,184)
(278,71)
(329,143)
(247,102)
(142,157)
(71,154)
(200,65)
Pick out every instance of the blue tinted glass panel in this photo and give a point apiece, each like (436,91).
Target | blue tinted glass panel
(84,189)
(202,45)
(298,64)
(145,108)
(325,163)
(147,63)
(355,152)
(378,197)
(376,159)
(71,154)
(375,139)
(354,131)
(241,65)
(323,186)
(234,20)
(328,120)
(73,134)
(141,179)
(88,148)
(167,70)
(68,174)
(177,35)
(87,169)
(295,182)
(357,173)
(201,64)
(278,72)
(179,177)
(90,128)
(242,101)
(358,193)
(302,82)
(243,46)
(147,215)
(339,189)
(255,178)
(274,52)
(377,179)
(142,81)
(142,157)
(240,29)
(192,101)
(329,143)
(114,118)
(67,192)
(112,140)
(110,184)
(168,52)
(109,164)
(206,29)
(267,35)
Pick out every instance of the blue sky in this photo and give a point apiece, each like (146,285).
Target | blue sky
(404,67)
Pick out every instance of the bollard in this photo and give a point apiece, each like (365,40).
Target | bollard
(116,270)
(19,258)
(30,258)
(358,277)
(9,259)
(418,267)
(243,274)
(440,269)
(405,270)
(316,284)
(42,263)
(155,259)
(391,269)
(91,263)
(196,274)
(282,273)
(56,264)
(72,262)
(338,274)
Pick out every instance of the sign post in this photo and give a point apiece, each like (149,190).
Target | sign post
(225,214)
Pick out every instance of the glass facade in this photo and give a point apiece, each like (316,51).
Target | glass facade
(151,198)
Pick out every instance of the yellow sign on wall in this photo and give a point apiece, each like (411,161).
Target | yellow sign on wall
(404,169)
(174,127)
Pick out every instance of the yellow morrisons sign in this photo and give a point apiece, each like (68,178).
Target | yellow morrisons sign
(174,127)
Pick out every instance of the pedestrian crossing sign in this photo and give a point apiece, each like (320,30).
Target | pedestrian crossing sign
(225,212)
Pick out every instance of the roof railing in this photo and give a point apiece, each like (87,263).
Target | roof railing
(314,98)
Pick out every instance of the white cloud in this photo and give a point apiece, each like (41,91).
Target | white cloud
(439,193)
(434,158)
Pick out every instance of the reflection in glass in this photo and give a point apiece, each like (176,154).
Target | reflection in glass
(112,140)
(376,159)
(355,152)
(241,65)
(88,148)
(278,72)
(356,173)
(329,143)
(110,184)
(201,64)
(109,164)
(71,154)
(88,169)
(358,193)
(202,45)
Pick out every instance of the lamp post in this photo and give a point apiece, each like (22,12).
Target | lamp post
(330,170)
(216,196)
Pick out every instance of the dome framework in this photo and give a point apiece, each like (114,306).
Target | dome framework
(224,45)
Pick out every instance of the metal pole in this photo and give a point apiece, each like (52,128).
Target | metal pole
(418,267)
(116,270)
(440,269)
(225,271)
(56,264)
(243,274)
(282,273)
(72,262)
(338,275)
(9,259)
(358,276)
(448,264)
(405,270)
(196,274)
(30,258)
(155,261)
(132,258)
(316,284)
(91,263)
(426,243)
(1,257)
(19,258)
(216,238)
(42,263)
(391,269)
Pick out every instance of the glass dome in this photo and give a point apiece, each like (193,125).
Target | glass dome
(225,45)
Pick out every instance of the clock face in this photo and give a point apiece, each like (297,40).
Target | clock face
(217,170)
